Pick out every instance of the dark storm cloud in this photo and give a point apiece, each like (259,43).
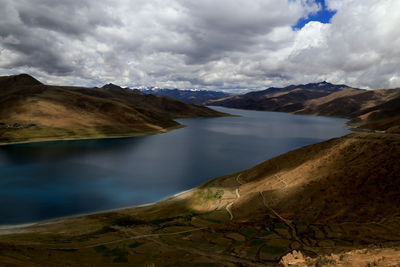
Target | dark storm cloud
(69,17)
(32,51)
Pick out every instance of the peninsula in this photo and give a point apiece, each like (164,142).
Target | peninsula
(32,111)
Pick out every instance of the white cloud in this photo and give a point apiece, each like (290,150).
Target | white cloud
(223,44)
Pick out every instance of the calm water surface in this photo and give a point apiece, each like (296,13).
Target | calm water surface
(51,179)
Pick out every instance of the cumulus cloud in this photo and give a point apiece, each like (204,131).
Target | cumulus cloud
(220,45)
(360,46)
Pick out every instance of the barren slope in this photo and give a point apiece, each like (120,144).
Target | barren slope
(374,110)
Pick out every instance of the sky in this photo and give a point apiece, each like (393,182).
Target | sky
(323,15)
(228,45)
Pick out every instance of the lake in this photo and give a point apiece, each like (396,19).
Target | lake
(39,181)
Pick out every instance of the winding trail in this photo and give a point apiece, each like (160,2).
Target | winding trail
(228,209)
(237,193)
(229,206)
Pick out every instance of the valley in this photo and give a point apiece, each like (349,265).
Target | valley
(323,204)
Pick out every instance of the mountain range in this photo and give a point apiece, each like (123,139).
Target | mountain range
(198,97)
(30,110)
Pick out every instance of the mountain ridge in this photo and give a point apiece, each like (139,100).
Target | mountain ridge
(286,99)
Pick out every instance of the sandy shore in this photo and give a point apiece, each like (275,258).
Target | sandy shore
(24,227)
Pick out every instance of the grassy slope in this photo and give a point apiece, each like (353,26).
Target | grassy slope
(334,196)
(75,112)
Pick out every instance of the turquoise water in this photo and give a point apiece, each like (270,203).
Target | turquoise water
(45,180)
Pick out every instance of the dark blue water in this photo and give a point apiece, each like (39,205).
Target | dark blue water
(51,179)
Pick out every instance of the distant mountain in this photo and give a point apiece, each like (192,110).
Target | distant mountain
(30,110)
(377,110)
(111,86)
(286,99)
(198,97)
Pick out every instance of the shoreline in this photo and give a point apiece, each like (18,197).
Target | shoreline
(139,134)
(13,228)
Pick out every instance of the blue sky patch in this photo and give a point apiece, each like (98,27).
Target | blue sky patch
(323,16)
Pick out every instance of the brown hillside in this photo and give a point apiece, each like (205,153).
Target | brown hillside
(377,110)
(313,106)
(354,178)
(384,117)
(350,103)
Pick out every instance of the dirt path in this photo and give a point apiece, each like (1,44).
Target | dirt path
(237,179)
(229,206)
